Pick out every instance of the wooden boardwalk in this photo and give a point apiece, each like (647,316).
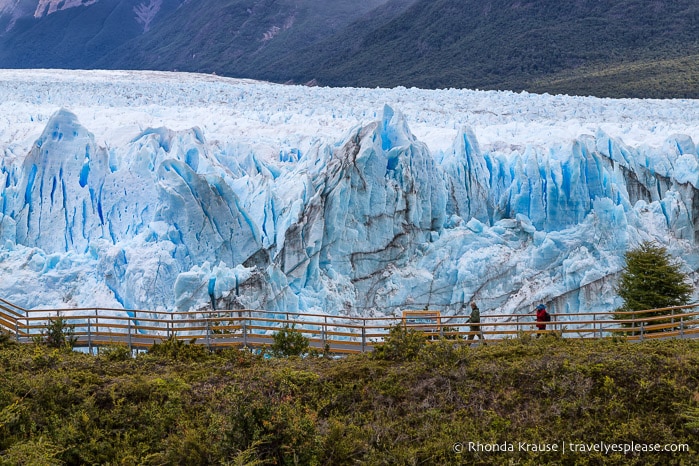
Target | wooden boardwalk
(140,329)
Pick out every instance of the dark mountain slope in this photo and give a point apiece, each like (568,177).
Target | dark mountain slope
(206,35)
(502,43)
(348,42)
(616,48)
(236,37)
(11,10)
(74,38)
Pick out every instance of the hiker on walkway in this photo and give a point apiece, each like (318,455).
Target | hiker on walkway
(475,318)
(542,316)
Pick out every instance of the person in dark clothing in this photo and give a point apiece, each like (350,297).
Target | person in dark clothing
(475,318)
(542,316)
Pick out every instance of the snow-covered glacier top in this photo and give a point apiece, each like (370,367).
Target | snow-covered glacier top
(158,190)
(113,103)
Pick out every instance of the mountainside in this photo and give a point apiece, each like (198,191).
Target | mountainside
(78,37)
(11,10)
(177,191)
(618,48)
(504,44)
(237,37)
(207,35)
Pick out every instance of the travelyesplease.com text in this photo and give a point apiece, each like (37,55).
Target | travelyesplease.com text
(569,447)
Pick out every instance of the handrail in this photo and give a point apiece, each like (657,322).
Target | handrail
(94,327)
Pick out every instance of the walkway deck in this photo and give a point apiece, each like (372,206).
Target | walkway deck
(140,329)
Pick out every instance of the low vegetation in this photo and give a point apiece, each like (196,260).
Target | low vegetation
(58,334)
(412,402)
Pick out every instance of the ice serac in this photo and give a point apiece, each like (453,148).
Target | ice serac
(384,196)
(377,198)
(57,203)
(468,179)
(205,216)
(557,190)
(131,187)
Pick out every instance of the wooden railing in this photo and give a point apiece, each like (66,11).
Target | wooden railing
(140,329)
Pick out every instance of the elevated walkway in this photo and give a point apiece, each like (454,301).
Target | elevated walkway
(140,329)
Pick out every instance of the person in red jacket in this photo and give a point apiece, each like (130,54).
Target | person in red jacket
(542,316)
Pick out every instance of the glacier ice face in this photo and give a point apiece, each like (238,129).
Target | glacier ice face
(383,196)
(58,206)
(368,222)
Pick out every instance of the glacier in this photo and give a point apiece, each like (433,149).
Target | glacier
(178,192)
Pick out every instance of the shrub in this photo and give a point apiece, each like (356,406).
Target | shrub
(179,350)
(5,338)
(58,334)
(289,342)
(80,409)
(401,344)
(39,452)
(116,353)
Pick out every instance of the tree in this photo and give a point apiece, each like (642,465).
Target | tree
(58,334)
(289,342)
(651,280)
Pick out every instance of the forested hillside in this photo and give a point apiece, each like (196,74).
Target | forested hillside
(624,48)
(618,48)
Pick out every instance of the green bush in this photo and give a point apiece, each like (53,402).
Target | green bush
(401,344)
(58,334)
(115,353)
(5,338)
(179,350)
(289,342)
(39,452)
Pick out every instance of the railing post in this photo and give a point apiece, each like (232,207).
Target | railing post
(642,330)
(364,336)
(89,336)
(129,330)
(594,325)
(245,332)
(17,330)
(325,332)
(208,332)
(682,327)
